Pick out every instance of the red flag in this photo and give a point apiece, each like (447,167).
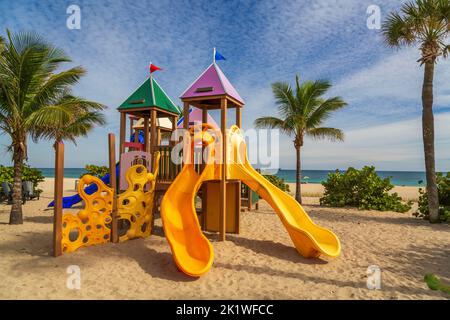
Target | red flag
(153,68)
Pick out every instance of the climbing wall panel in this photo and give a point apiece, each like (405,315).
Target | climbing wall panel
(91,225)
(135,205)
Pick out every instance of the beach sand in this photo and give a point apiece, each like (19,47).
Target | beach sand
(260,263)
(315,190)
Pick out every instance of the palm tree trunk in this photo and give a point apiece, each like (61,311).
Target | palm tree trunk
(298,177)
(428,141)
(15,216)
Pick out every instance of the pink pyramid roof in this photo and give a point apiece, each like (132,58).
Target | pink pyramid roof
(211,82)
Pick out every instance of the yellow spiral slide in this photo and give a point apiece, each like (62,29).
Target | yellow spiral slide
(192,251)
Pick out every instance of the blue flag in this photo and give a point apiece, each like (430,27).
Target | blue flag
(218,56)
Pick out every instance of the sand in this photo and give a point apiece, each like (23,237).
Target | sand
(316,190)
(260,263)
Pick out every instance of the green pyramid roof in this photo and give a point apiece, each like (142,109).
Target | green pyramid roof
(144,98)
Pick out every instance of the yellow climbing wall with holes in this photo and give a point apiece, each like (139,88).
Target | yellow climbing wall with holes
(91,225)
(135,205)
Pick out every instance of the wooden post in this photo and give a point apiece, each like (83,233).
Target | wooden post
(185,126)
(146,137)
(257,202)
(58,194)
(204,120)
(238,117)
(153,131)
(174,127)
(113,183)
(204,115)
(123,118)
(238,207)
(186,115)
(158,137)
(223,180)
(131,125)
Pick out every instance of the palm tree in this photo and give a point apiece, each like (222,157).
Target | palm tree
(302,114)
(425,23)
(34,99)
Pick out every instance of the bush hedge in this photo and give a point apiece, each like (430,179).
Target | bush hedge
(28,174)
(363,189)
(443,182)
(96,171)
(278,182)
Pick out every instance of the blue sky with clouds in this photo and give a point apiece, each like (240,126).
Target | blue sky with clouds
(263,41)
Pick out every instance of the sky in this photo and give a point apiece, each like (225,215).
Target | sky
(263,42)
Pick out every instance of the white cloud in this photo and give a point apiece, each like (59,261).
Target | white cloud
(394,146)
(398,77)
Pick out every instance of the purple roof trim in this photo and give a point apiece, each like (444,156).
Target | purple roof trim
(215,78)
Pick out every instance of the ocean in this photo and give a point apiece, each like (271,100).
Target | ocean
(398,178)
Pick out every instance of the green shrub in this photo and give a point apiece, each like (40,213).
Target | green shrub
(278,182)
(96,171)
(434,283)
(28,174)
(6,174)
(443,182)
(363,189)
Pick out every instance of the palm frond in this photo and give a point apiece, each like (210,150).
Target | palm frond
(324,111)
(56,85)
(274,123)
(397,31)
(80,127)
(284,97)
(311,93)
(331,134)
(2,43)
(70,118)
(269,122)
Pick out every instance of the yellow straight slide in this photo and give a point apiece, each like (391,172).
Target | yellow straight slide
(309,239)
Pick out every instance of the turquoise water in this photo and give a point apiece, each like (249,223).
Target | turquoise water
(399,178)
(68,172)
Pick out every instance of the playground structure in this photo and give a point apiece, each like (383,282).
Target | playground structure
(125,209)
